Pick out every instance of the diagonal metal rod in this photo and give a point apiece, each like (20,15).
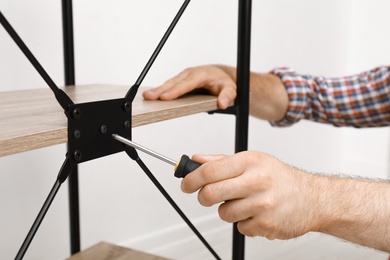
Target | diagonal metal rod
(61,96)
(178,210)
(34,228)
(133,90)
(134,155)
(62,175)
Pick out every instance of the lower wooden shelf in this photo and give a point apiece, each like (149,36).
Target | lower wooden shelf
(106,251)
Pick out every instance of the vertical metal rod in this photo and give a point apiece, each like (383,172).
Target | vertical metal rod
(242,100)
(67,28)
(69,70)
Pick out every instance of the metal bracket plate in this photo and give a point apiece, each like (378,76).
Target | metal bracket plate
(91,125)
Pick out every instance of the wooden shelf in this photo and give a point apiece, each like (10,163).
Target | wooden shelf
(31,119)
(106,251)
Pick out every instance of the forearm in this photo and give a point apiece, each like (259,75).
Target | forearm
(354,210)
(268,97)
(360,100)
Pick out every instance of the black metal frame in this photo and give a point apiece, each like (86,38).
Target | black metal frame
(242,100)
(82,119)
(70,79)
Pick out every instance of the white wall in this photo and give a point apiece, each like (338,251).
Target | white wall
(114,39)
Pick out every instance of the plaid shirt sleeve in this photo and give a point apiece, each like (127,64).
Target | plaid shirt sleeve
(361,100)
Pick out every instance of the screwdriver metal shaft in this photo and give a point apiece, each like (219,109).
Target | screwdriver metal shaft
(144,149)
(183,167)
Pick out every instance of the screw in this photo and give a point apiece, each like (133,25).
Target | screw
(76,113)
(77,155)
(127,107)
(77,134)
(103,129)
(127,124)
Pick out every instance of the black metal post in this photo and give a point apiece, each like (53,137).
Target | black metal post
(242,100)
(73,181)
(67,27)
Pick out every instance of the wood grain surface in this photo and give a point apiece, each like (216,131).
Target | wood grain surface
(31,119)
(106,251)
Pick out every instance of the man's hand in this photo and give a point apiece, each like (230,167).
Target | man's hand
(218,80)
(271,199)
(265,196)
(268,96)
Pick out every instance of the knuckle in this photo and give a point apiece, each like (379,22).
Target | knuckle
(244,230)
(268,203)
(170,81)
(206,196)
(268,225)
(254,156)
(186,186)
(209,173)
(202,72)
(271,237)
(226,214)
(192,72)
(186,71)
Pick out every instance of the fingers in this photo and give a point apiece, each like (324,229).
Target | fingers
(202,158)
(251,220)
(229,189)
(212,78)
(227,96)
(182,84)
(251,216)
(254,227)
(177,86)
(156,93)
(265,196)
(211,172)
(236,210)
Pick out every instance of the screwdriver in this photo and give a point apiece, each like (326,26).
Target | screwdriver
(183,167)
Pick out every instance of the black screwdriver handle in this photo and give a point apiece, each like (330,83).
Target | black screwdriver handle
(185,166)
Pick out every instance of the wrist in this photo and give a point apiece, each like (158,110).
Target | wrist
(342,205)
(313,190)
(269,99)
(322,190)
(230,71)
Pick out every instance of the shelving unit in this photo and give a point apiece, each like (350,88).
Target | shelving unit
(32,119)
